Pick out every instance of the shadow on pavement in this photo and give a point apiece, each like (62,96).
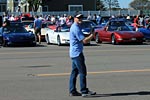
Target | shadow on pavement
(120,94)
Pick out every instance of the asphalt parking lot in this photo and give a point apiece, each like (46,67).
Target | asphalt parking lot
(115,72)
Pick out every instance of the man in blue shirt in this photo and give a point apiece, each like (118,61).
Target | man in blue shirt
(77,40)
(37,27)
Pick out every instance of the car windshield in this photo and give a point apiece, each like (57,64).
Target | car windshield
(18,29)
(44,25)
(26,23)
(118,26)
(87,24)
(65,29)
(117,23)
(104,20)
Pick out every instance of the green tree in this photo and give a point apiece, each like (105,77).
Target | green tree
(112,4)
(140,4)
(33,4)
(100,5)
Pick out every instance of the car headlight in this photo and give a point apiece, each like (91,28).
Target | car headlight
(120,38)
(133,39)
(8,37)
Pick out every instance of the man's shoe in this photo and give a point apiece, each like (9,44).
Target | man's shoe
(75,94)
(89,93)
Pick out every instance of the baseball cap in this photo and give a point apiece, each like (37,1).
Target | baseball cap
(79,16)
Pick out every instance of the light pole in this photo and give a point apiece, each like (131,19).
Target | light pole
(27,6)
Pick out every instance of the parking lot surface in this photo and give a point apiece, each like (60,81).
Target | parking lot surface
(115,72)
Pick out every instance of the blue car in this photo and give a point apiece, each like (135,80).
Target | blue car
(16,35)
(146,32)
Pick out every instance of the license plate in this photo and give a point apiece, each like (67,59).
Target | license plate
(133,39)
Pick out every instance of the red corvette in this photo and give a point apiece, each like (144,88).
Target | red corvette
(116,32)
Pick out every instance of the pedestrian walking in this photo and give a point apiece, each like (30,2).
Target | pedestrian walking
(77,40)
(37,27)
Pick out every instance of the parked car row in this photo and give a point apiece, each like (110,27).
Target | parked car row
(115,31)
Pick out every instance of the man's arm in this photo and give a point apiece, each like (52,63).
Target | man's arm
(88,39)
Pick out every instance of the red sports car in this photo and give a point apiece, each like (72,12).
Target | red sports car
(116,31)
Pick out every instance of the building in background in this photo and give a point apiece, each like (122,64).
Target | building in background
(3,5)
(69,5)
(48,5)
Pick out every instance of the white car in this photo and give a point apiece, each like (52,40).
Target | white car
(45,27)
(58,37)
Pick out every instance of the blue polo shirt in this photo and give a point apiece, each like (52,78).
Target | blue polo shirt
(38,23)
(76,37)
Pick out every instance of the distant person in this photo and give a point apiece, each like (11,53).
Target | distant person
(77,40)
(4,29)
(69,21)
(41,18)
(6,26)
(37,28)
(128,17)
(62,21)
(89,17)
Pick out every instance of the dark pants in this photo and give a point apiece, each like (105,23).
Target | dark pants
(38,31)
(78,67)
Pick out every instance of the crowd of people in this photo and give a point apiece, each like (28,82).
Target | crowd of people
(138,20)
(61,20)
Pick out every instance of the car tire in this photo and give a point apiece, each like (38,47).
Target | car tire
(113,40)
(4,44)
(97,38)
(47,39)
(58,41)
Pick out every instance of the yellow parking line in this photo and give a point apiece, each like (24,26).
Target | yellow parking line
(100,72)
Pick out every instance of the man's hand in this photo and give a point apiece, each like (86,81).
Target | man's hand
(92,30)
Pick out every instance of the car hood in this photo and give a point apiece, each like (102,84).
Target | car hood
(86,30)
(65,34)
(144,30)
(18,34)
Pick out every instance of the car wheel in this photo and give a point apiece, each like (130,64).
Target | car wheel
(97,39)
(58,41)
(4,44)
(47,39)
(113,40)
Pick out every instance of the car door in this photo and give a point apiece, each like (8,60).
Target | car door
(108,32)
(44,28)
(104,34)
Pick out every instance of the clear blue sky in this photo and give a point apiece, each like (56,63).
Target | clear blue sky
(124,3)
